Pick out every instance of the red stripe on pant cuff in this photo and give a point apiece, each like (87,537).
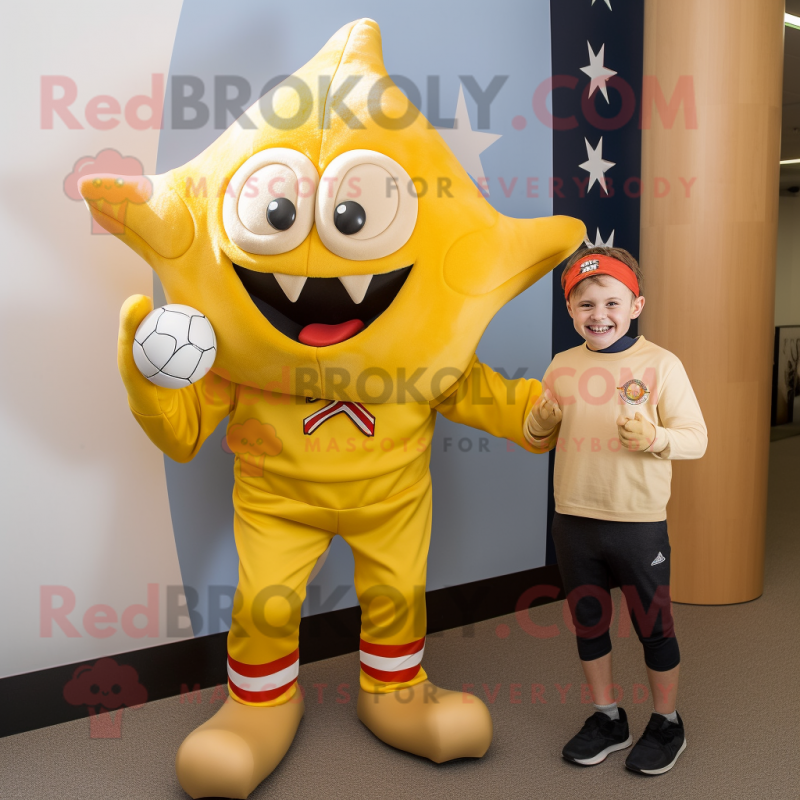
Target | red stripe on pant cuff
(262,670)
(260,697)
(392,650)
(397,676)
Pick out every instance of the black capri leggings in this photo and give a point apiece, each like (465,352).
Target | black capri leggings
(636,555)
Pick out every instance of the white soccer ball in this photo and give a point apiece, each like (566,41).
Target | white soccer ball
(174,346)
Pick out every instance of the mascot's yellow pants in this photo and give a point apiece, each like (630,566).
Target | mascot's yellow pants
(279,540)
(298,484)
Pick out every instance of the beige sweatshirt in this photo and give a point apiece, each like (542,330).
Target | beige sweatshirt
(595,476)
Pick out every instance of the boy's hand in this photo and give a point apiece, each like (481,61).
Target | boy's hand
(545,414)
(637,433)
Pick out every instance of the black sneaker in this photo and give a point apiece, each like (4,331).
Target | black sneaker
(658,749)
(599,736)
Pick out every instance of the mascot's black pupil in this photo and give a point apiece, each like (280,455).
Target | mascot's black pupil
(116,688)
(281,214)
(94,688)
(349,217)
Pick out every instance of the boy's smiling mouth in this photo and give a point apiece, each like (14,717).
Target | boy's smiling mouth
(599,330)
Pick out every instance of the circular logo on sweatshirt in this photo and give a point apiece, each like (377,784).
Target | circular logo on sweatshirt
(633,392)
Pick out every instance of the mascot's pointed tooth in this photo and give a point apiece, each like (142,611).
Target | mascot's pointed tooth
(292,285)
(356,286)
(143,210)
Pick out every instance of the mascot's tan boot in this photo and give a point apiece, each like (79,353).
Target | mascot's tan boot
(435,723)
(234,751)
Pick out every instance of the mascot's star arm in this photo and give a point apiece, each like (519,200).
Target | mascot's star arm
(186,417)
(486,400)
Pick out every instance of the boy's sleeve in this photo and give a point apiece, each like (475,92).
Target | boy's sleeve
(548,443)
(682,433)
(484,399)
(178,421)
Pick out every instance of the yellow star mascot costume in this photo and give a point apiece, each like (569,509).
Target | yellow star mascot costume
(349,267)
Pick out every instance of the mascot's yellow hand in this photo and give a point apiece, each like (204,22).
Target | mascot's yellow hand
(545,414)
(142,395)
(637,433)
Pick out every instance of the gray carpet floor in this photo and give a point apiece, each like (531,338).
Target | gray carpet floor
(739,700)
(784,431)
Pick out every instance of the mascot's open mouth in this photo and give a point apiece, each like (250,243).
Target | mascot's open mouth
(321,311)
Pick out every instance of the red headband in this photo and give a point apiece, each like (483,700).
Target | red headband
(598,264)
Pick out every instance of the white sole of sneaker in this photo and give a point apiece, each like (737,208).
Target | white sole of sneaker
(601,756)
(663,769)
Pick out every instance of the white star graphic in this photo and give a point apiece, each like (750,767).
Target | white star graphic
(608,3)
(596,166)
(598,240)
(467,144)
(597,72)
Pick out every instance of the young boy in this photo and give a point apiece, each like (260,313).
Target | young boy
(618,410)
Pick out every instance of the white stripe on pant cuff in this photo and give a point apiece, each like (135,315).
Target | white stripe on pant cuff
(267,682)
(392,664)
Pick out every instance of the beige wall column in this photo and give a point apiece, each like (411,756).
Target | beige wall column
(709,270)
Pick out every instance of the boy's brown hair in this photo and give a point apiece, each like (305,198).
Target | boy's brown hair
(614,252)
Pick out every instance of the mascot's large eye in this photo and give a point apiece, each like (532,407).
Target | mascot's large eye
(367,206)
(269,203)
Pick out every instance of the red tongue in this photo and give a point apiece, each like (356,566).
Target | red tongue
(319,335)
